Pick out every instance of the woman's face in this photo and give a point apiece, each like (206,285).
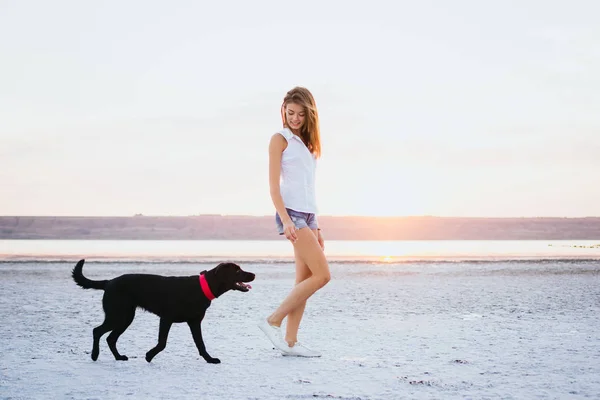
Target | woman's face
(295,116)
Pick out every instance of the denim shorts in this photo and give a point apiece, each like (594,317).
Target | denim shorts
(300,220)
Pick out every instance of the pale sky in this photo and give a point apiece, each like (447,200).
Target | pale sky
(461,108)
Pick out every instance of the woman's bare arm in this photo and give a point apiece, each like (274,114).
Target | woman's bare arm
(276,147)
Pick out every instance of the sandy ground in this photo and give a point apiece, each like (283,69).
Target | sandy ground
(478,330)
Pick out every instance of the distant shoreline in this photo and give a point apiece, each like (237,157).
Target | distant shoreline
(223,227)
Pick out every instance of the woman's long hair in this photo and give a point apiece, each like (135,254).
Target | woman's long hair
(310,133)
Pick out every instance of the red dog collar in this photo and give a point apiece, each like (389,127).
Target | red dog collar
(206,288)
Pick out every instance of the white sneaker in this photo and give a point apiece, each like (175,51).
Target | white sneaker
(274,335)
(299,350)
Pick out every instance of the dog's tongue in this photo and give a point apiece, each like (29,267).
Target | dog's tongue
(242,284)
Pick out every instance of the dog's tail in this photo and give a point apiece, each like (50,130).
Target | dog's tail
(83,281)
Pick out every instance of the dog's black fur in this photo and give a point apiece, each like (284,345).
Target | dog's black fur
(172,298)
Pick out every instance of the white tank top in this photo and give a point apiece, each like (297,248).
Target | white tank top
(298,166)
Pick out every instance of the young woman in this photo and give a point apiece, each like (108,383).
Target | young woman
(293,153)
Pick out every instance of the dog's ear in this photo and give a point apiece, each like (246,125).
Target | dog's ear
(224,266)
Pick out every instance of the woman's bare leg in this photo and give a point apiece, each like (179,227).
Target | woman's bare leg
(308,251)
(294,317)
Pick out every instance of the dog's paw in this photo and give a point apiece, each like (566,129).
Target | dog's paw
(122,358)
(213,360)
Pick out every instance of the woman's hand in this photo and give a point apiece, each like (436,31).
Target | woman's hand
(289,230)
(320,239)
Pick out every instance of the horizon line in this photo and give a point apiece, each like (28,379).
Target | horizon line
(140,215)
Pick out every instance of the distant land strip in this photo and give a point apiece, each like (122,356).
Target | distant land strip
(226,227)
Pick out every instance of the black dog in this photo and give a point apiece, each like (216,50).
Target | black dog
(172,298)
